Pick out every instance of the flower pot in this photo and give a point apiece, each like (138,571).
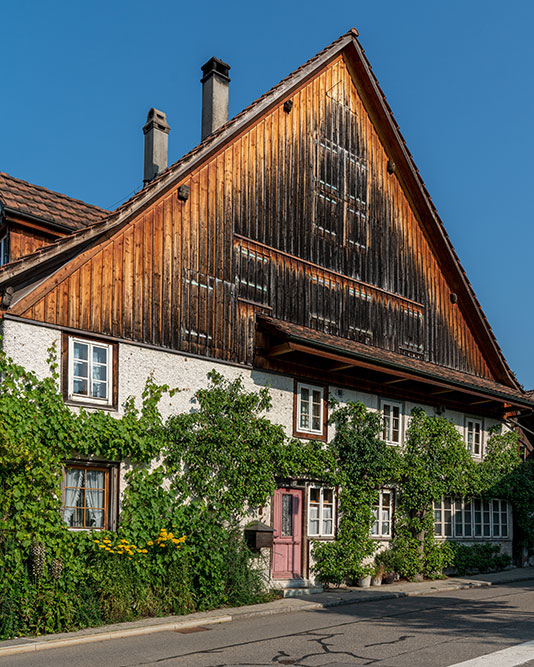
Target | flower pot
(364,582)
(376,581)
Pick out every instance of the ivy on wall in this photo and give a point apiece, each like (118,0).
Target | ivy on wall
(196,475)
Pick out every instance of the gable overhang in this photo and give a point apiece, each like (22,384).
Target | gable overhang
(304,352)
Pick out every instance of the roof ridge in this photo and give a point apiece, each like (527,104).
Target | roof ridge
(53,192)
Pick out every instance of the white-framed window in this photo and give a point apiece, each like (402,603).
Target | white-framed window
(473,436)
(310,409)
(90,371)
(321,511)
(383,514)
(471,518)
(392,422)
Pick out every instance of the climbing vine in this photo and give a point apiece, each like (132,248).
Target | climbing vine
(192,478)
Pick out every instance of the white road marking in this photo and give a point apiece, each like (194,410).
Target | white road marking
(508,657)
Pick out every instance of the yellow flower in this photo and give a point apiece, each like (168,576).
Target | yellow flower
(174,525)
(182,539)
(162,545)
(150,543)
(96,541)
(124,541)
(144,551)
(106,541)
(101,546)
(175,541)
(170,536)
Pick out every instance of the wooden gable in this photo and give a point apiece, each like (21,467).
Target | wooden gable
(303,217)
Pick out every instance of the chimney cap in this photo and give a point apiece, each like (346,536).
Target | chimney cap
(156,119)
(215,66)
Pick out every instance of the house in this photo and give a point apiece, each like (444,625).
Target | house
(295,246)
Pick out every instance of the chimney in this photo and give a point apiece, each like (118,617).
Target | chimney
(156,133)
(214,95)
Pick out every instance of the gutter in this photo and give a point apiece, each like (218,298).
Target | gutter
(46,221)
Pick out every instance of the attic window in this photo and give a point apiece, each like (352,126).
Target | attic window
(4,249)
(341,203)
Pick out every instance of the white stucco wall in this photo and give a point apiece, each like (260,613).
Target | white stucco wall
(27,344)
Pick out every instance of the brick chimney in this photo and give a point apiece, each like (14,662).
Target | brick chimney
(214,95)
(156,133)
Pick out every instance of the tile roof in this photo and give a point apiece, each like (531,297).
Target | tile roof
(387,358)
(34,200)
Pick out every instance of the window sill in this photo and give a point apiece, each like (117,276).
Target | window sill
(309,436)
(89,404)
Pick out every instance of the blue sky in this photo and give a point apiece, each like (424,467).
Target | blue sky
(79,78)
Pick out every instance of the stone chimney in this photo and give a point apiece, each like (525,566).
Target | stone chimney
(156,133)
(214,95)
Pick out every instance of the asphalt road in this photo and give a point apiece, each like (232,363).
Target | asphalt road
(438,631)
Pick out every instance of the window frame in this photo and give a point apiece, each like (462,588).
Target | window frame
(111,491)
(379,535)
(321,534)
(4,249)
(393,404)
(305,433)
(473,514)
(475,421)
(111,401)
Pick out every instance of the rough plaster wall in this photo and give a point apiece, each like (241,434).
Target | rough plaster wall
(27,344)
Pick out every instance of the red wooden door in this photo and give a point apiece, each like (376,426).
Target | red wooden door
(287,546)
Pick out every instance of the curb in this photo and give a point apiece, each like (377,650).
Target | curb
(299,604)
(36,645)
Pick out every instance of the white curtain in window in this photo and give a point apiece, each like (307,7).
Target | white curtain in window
(74,480)
(95,497)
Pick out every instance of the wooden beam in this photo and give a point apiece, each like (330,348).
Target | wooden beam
(487,400)
(278,350)
(396,381)
(443,391)
(342,367)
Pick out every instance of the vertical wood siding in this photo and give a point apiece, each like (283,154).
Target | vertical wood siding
(298,218)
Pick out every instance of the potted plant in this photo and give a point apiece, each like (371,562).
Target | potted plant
(386,560)
(379,571)
(366,573)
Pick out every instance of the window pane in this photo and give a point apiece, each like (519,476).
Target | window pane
(94,518)
(99,373)
(81,351)
(80,387)
(287,515)
(81,369)
(314,527)
(99,390)
(328,496)
(314,495)
(328,527)
(100,355)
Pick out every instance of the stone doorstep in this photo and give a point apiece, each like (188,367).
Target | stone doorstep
(329,598)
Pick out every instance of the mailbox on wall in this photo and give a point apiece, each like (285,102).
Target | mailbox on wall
(258,535)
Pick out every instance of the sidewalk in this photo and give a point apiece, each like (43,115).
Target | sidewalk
(329,598)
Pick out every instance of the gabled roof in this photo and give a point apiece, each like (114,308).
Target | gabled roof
(377,106)
(33,200)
